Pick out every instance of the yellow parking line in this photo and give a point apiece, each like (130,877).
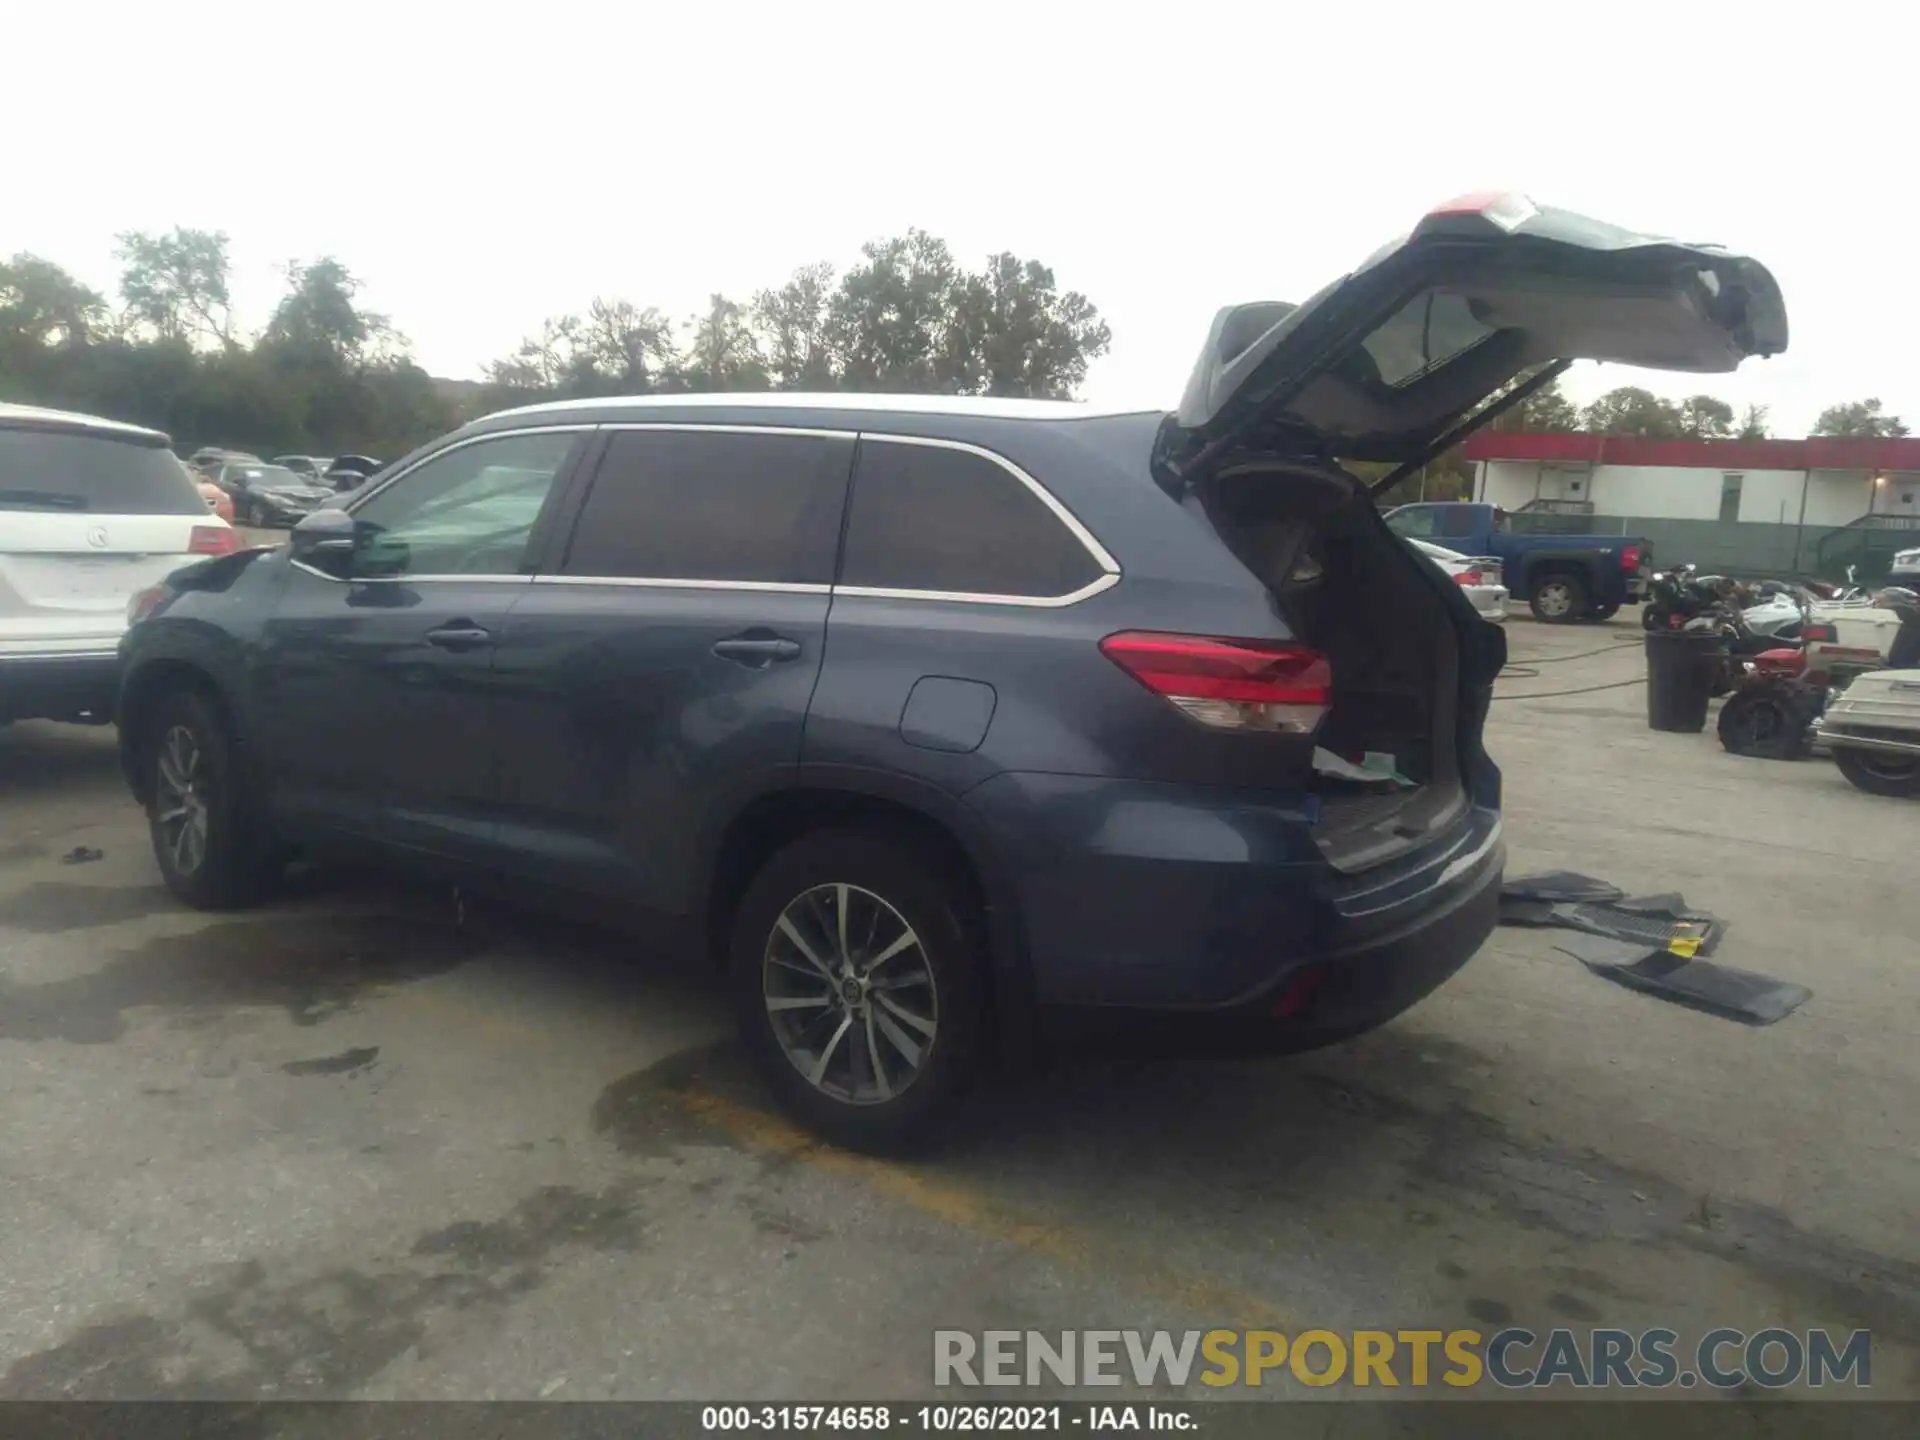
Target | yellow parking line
(1220,1305)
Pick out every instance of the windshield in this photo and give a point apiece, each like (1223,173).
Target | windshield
(269,477)
(100,474)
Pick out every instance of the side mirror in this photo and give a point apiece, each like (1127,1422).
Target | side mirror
(324,539)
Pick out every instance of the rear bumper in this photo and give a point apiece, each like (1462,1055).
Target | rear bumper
(59,686)
(1213,903)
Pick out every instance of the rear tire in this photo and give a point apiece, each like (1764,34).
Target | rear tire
(1558,599)
(870,1042)
(210,847)
(1896,776)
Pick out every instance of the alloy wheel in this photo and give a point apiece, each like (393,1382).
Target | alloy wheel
(850,994)
(1556,599)
(180,800)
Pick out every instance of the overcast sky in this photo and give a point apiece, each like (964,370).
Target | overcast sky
(481,167)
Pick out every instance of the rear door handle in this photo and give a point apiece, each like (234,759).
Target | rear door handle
(757,651)
(460,635)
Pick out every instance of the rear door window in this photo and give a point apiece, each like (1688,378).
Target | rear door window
(933,518)
(715,506)
(57,470)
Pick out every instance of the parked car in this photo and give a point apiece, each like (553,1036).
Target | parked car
(218,501)
(91,511)
(311,466)
(1905,571)
(932,716)
(349,472)
(208,459)
(269,494)
(1479,579)
(1562,578)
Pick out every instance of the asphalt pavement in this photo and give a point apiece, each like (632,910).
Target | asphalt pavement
(357,1144)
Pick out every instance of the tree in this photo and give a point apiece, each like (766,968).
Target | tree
(1546,411)
(908,317)
(176,284)
(1013,333)
(1859,420)
(42,305)
(1702,417)
(318,318)
(1630,410)
(1753,423)
(626,347)
(792,326)
(890,320)
(724,354)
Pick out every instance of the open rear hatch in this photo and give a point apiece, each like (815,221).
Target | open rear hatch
(1487,299)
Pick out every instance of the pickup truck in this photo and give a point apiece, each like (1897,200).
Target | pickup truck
(1564,578)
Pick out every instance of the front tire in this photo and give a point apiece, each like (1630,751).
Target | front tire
(1893,775)
(1559,599)
(858,970)
(209,848)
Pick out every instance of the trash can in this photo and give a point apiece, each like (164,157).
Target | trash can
(1680,670)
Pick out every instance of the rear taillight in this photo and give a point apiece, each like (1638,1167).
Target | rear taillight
(1467,577)
(1257,685)
(212,540)
(1630,558)
(1819,634)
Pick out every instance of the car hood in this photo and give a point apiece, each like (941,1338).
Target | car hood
(1401,354)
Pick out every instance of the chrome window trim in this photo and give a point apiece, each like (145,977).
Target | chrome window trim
(410,579)
(813,432)
(1110,568)
(776,587)
(968,597)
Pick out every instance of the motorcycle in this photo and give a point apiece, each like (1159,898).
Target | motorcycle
(1873,728)
(1779,606)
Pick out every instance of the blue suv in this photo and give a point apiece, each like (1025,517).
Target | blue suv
(933,717)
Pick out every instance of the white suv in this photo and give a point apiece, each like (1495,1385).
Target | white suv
(91,512)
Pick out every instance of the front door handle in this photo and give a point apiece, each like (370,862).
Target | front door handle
(460,635)
(757,651)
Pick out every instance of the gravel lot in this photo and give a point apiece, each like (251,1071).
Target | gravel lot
(346,1147)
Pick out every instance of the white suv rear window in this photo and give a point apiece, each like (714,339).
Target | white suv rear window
(65,470)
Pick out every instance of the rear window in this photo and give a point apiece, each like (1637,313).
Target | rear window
(52,470)
(1429,331)
(933,518)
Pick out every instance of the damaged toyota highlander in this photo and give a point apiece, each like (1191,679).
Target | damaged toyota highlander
(934,718)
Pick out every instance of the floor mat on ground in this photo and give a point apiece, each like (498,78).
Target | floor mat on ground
(1580,902)
(1699,984)
(1651,943)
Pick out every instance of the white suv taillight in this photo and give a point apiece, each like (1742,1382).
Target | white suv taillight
(1258,685)
(212,540)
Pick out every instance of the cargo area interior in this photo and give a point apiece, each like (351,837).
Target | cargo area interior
(1349,588)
